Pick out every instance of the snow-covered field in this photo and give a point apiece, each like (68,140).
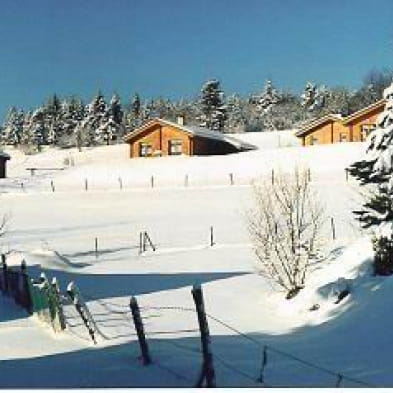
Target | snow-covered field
(56,231)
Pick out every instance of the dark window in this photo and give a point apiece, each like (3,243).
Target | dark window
(343,137)
(175,147)
(145,149)
(313,140)
(365,130)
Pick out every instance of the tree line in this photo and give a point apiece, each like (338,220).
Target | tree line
(69,122)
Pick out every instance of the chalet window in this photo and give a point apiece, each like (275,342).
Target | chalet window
(145,149)
(365,131)
(313,140)
(175,147)
(343,137)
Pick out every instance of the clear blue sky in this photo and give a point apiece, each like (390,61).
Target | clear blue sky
(169,47)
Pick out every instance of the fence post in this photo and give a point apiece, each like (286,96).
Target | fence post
(74,295)
(211,236)
(140,243)
(186,181)
(333,228)
(146,238)
(136,316)
(52,184)
(22,186)
(346,174)
(231,179)
(4,285)
(58,305)
(120,183)
(152,181)
(309,174)
(272,176)
(207,365)
(96,247)
(86,185)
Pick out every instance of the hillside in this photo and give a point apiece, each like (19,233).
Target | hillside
(55,232)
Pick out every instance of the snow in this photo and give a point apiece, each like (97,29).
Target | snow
(55,233)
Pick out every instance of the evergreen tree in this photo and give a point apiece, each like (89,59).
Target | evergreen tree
(212,106)
(12,129)
(235,116)
(96,116)
(375,173)
(53,119)
(265,104)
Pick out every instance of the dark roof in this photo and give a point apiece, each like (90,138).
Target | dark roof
(194,130)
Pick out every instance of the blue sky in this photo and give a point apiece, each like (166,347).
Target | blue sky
(169,47)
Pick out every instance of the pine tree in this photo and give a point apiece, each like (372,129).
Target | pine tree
(96,116)
(12,129)
(235,116)
(265,104)
(375,173)
(212,106)
(53,120)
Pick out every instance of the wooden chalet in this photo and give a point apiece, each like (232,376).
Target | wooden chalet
(159,137)
(3,162)
(333,128)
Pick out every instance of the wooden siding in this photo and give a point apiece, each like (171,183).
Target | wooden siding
(158,136)
(336,131)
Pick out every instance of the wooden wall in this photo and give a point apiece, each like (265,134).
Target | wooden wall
(3,163)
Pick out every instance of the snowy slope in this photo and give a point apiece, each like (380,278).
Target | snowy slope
(55,232)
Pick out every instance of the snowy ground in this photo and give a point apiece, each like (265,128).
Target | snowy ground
(55,232)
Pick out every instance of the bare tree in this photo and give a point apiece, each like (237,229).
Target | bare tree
(285,226)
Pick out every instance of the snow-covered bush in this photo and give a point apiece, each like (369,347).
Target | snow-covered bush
(375,174)
(285,227)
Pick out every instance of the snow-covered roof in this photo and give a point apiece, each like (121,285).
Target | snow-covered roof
(317,122)
(197,131)
(331,117)
(363,111)
(4,155)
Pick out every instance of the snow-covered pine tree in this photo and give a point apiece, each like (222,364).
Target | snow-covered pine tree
(96,116)
(265,104)
(235,116)
(310,99)
(112,128)
(212,106)
(53,120)
(375,173)
(12,129)
(268,98)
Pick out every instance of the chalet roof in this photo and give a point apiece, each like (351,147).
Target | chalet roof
(363,111)
(306,128)
(4,155)
(193,130)
(331,117)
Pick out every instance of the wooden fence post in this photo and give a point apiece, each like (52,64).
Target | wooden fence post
(52,184)
(22,186)
(140,243)
(58,305)
(120,183)
(333,228)
(82,310)
(207,372)
(231,179)
(146,239)
(152,181)
(4,285)
(272,176)
(96,247)
(136,316)
(346,174)
(211,236)
(309,174)
(186,181)
(86,185)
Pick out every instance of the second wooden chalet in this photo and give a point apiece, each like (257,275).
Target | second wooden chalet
(334,128)
(159,137)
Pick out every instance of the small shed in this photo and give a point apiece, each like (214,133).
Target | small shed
(159,137)
(3,162)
